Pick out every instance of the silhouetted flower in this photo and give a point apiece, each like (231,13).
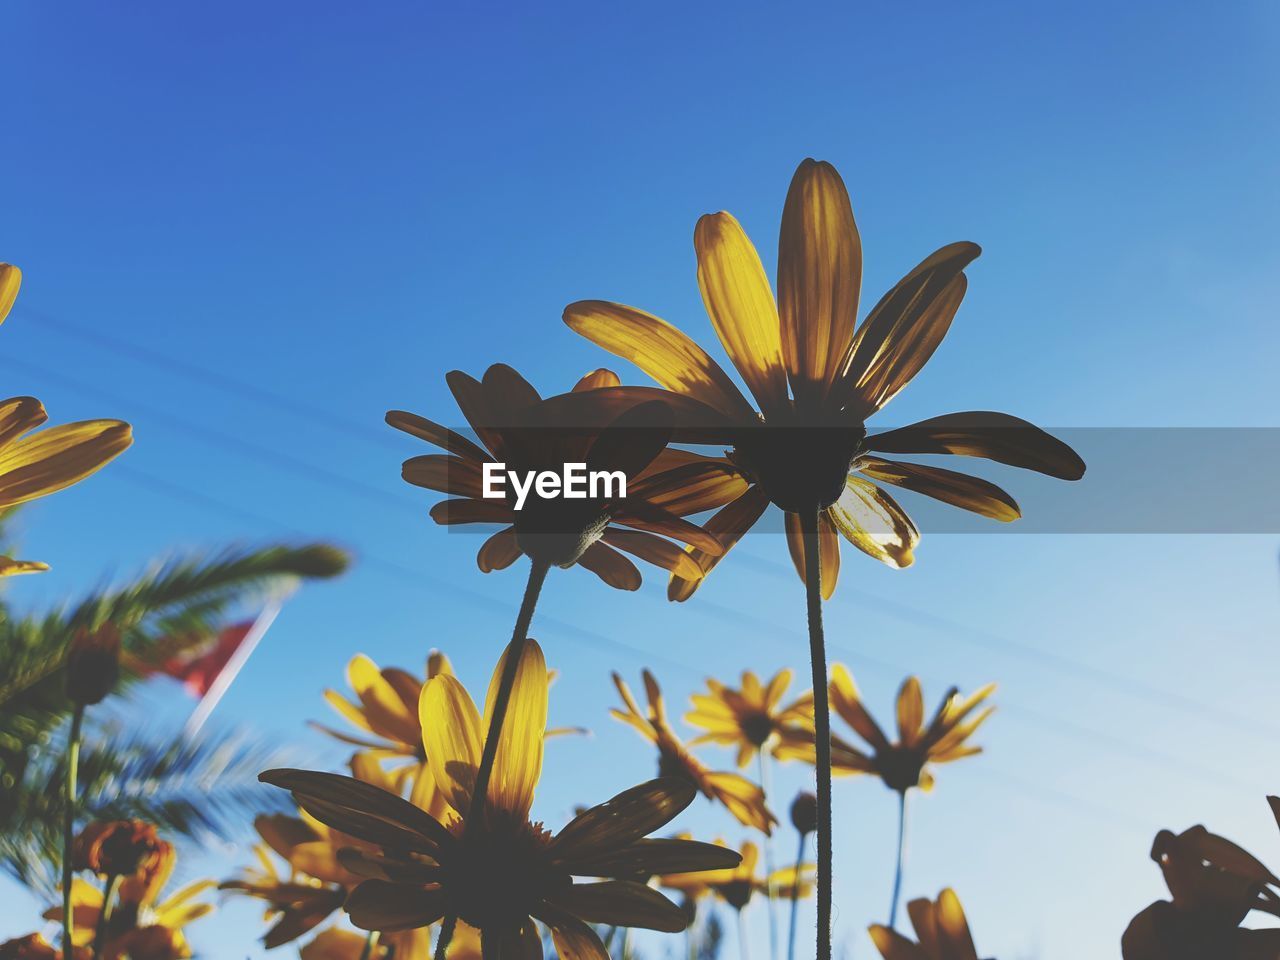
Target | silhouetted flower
(499,871)
(744,799)
(93,665)
(816,381)
(941,929)
(737,885)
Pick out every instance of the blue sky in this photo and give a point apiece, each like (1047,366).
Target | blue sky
(250,230)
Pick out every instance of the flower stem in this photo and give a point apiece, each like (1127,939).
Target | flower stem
(795,899)
(902,857)
(765,786)
(69,824)
(369,941)
(446,934)
(744,950)
(821,725)
(537,575)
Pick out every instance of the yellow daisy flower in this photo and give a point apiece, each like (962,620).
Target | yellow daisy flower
(941,929)
(520,429)
(36,465)
(498,871)
(744,799)
(737,885)
(817,380)
(386,709)
(753,716)
(901,764)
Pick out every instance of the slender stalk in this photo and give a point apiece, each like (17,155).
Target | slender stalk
(537,576)
(902,857)
(795,899)
(690,934)
(446,935)
(369,942)
(765,785)
(821,725)
(744,951)
(104,915)
(625,949)
(69,823)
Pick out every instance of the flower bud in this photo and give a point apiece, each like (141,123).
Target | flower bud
(119,848)
(93,665)
(804,812)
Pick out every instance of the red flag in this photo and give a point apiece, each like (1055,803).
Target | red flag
(198,673)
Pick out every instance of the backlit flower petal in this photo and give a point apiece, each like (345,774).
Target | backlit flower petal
(611,567)
(499,551)
(451,735)
(442,437)
(388,907)
(661,351)
(19,415)
(574,940)
(739,301)
(447,474)
(828,550)
(10,281)
(910,711)
(873,522)
(728,526)
(50,460)
(518,761)
(953,928)
(597,379)
(819,276)
(655,550)
(621,903)
(625,818)
(957,489)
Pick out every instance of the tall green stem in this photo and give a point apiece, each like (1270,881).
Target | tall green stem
(69,824)
(511,664)
(821,725)
(902,857)
(768,859)
(795,899)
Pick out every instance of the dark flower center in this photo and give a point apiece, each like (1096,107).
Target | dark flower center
(757,727)
(900,768)
(499,875)
(801,467)
(673,765)
(737,893)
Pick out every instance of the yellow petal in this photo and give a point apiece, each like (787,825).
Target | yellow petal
(621,903)
(18,415)
(379,905)
(873,522)
(44,462)
(518,762)
(957,489)
(847,702)
(828,550)
(728,526)
(626,818)
(910,711)
(819,276)
(661,351)
(597,379)
(10,281)
(384,708)
(451,737)
(610,566)
(740,303)
(954,928)
(894,946)
(10,567)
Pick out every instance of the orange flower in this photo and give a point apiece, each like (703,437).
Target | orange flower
(120,848)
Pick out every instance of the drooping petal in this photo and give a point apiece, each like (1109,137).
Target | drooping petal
(452,738)
(621,903)
(518,762)
(924,920)
(736,293)
(819,277)
(894,946)
(873,522)
(625,818)
(499,551)
(385,709)
(574,940)
(610,566)
(646,516)
(684,483)
(432,432)
(982,433)
(50,460)
(519,941)
(828,550)
(957,489)
(728,526)
(9,567)
(388,907)
(661,351)
(902,331)
(744,799)
(654,549)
